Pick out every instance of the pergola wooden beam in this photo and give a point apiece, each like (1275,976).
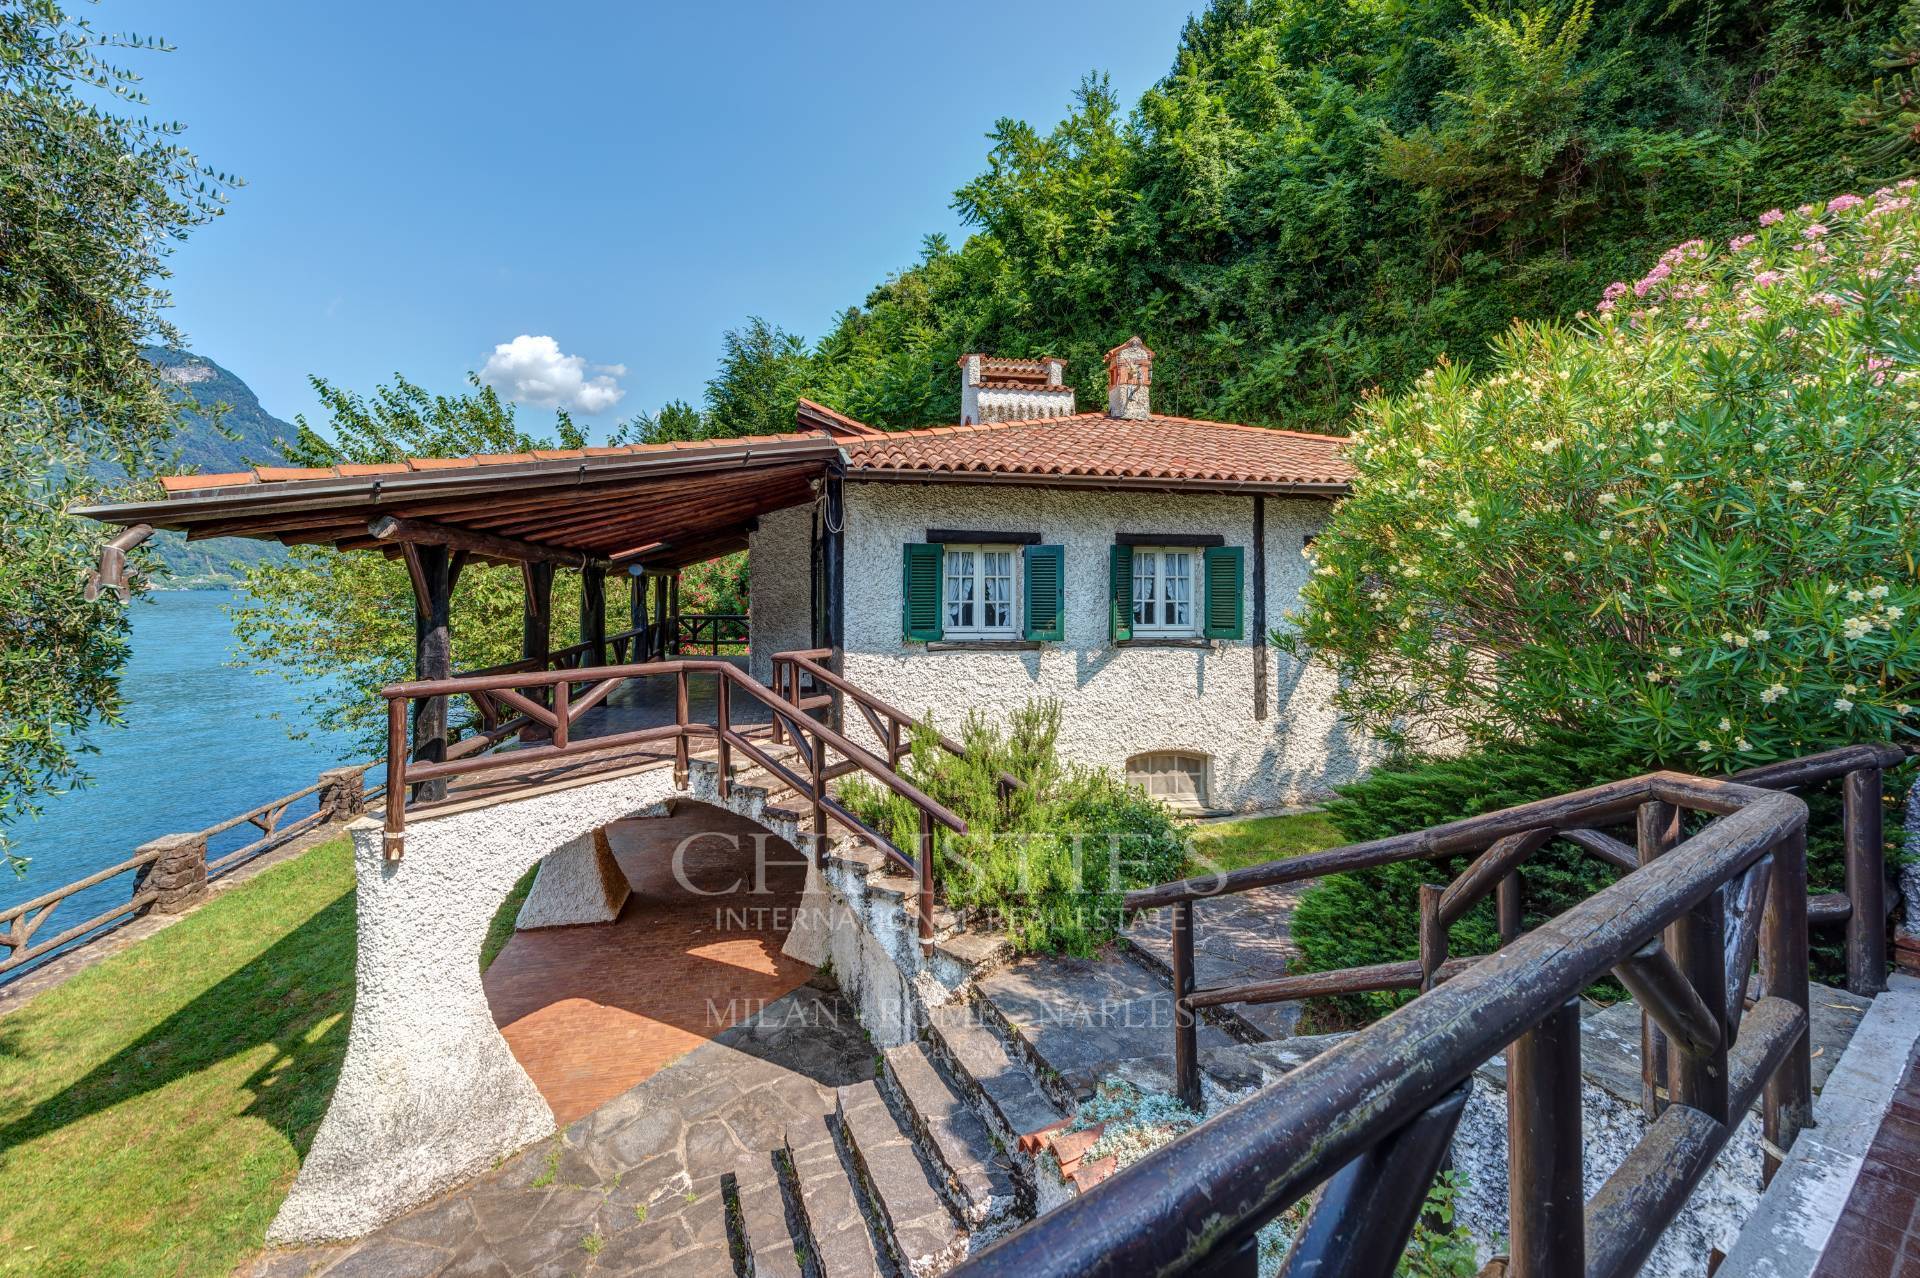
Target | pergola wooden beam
(390,528)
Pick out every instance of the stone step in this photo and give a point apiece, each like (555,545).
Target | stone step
(979,1180)
(1001,1087)
(840,1240)
(1072,1018)
(919,1229)
(771,1244)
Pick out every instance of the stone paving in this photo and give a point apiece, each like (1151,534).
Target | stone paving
(1236,939)
(636,1186)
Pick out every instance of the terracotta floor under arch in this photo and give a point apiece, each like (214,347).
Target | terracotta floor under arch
(591,1011)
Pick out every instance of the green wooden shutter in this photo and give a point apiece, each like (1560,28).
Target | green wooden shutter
(1120,616)
(1226,592)
(920,612)
(1046,593)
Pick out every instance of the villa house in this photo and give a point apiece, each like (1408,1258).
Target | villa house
(1130,565)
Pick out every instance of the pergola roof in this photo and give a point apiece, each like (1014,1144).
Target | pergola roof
(661,505)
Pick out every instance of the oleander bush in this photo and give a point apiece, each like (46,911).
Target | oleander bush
(1048,859)
(1681,531)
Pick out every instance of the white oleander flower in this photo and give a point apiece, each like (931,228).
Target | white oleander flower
(1569,556)
(1895,612)
(1761,636)
(1673,650)
(1607,499)
(1743,744)
(1842,704)
(1655,458)
(1606,534)
(1796,485)
(1856,627)
(1773,693)
(1856,596)
(1903,708)
(1726,724)
(1704,746)
(1876,592)
(1850,688)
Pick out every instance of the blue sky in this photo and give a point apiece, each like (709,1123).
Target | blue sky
(427,181)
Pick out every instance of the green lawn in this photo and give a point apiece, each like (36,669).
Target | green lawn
(154,1109)
(1228,845)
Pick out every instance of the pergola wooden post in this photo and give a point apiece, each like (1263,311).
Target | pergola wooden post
(434,570)
(672,639)
(657,637)
(536,617)
(593,614)
(636,617)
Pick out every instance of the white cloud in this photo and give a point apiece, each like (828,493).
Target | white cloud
(531,370)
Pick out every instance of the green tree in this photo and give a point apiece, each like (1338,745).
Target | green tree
(340,626)
(92,199)
(1321,200)
(763,370)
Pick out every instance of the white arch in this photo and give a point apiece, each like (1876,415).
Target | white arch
(429,1093)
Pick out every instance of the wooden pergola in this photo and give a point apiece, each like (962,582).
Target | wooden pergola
(642,511)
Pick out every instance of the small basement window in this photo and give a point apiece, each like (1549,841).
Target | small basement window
(1177,777)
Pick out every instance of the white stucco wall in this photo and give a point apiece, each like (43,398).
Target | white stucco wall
(1116,702)
(779,587)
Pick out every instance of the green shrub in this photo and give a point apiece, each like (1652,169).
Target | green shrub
(1050,858)
(1681,532)
(1686,528)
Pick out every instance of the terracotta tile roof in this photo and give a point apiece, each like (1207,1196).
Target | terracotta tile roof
(183,484)
(1094,446)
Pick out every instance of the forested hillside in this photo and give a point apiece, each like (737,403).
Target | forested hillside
(1324,196)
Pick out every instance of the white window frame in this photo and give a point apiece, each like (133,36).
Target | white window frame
(979,551)
(1191,629)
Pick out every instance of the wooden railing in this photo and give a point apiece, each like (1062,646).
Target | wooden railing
(1497,871)
(172,871)
(548,703)
(891,726)
(712,631)
(1371,1118)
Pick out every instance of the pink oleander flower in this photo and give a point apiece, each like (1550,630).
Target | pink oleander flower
(1813,230)
(1841,203)
(1739,242)
(1767,279)
(1660,272)
(1771,216)
(1807,210)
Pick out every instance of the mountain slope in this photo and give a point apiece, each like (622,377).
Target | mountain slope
(246,435)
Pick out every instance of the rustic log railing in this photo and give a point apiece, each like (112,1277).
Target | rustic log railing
(1371,1117)
(171,872)
(713,631)
(891,726)
(547,702)
(1497,870)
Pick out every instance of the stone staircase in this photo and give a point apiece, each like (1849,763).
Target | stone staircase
(964,1132)
(905,1177)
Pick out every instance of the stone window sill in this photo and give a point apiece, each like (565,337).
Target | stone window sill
(1167,643)
(985,645)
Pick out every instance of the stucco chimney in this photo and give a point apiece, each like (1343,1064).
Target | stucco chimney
(1013,390)
(1129,375)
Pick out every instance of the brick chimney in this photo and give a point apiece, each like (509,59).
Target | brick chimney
(1012,390)
(1129,375)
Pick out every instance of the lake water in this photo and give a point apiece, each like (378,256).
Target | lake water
(198,747)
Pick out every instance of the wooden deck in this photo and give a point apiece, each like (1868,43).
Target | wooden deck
(640,703)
